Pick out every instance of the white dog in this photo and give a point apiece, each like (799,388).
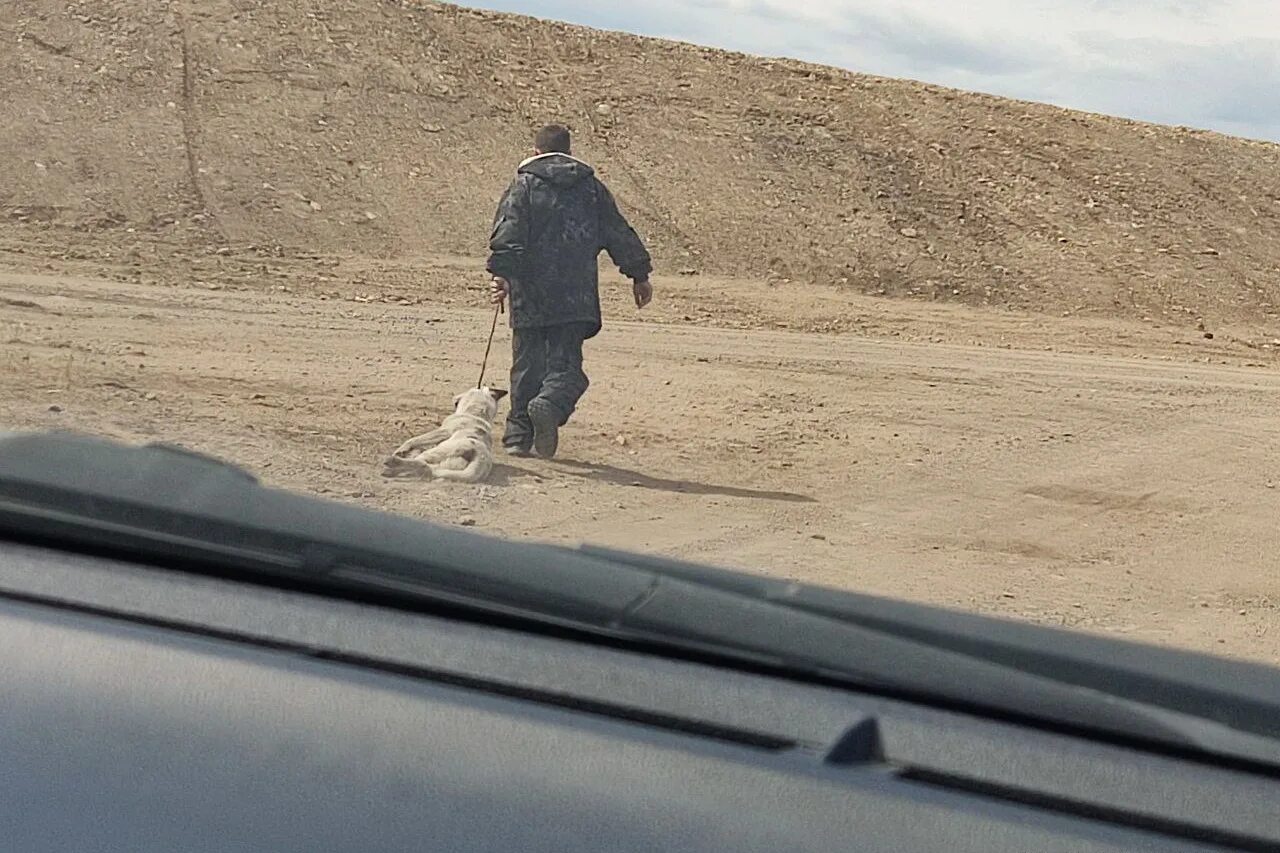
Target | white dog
(461,449)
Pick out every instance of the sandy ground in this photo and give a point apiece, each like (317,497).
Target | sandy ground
(1101,477)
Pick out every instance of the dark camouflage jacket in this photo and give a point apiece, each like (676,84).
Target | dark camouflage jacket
(551,225)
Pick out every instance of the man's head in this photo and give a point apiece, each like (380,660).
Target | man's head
(552,139)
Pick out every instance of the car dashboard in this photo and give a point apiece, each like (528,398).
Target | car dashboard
(146,709)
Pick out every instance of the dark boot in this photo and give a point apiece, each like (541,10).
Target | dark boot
(546,428)
(563,387)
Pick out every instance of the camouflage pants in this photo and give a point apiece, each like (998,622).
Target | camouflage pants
(546,364)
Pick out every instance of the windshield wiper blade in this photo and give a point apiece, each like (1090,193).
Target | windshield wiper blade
(1209,701)
(180,509)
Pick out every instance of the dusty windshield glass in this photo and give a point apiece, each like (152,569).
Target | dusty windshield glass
(561,284)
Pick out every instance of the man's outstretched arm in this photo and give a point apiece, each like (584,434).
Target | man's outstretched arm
(625,247)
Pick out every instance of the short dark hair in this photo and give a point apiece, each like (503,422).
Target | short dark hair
(553,138)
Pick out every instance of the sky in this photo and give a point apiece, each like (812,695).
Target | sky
(1211,64)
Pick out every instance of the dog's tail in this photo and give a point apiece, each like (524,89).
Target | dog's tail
(475,471)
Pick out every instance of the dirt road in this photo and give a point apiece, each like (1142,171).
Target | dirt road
(1130,491)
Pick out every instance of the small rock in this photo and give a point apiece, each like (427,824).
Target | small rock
(622,441)
(1208,336)
(1244,612)
(150,395)
(604,109)
(468,521)
(688,271)
(819,537)
(909,233)
(55,408)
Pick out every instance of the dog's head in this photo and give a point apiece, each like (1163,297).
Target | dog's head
(481,402)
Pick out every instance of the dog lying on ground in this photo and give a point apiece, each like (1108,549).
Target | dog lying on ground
(459,450)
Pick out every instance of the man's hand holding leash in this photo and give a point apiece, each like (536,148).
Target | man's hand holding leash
(499,290)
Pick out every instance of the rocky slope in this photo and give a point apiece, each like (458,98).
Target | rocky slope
(213,128)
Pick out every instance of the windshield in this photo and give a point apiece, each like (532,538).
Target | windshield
(848,330)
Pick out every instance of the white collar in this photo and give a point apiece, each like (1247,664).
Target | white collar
(551,154)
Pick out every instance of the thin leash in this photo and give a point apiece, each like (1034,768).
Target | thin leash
(484,365)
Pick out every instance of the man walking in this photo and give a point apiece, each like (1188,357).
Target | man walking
(550,227)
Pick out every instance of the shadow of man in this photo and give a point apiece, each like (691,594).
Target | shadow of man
(626,477)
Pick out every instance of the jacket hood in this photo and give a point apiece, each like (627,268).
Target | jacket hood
(560,170)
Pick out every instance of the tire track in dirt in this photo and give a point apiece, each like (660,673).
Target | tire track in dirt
(191,127)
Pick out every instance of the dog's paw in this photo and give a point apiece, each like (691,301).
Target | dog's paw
(398,467)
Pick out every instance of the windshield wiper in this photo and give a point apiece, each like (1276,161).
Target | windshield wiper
(172,508)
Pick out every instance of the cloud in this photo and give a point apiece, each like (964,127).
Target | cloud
(1205,63)
(1229,86)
